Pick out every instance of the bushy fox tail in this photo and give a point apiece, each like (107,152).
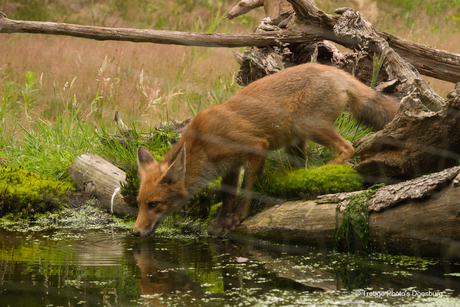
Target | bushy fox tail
(371,107)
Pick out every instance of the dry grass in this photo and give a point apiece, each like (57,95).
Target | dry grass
(437,30)
(147,82)
(165,69)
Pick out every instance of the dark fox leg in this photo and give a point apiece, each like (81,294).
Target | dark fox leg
(297,155)
(253,167)
(229,189)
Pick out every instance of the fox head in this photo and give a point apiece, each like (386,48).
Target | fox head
(162,189)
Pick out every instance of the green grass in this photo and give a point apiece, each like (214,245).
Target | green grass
(48,148)
(349,128)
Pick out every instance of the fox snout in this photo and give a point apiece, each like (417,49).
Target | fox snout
(144,233)
(136,233)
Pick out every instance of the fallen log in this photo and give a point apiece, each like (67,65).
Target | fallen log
(395,194)
(428,226)
(94,175)
(417,141)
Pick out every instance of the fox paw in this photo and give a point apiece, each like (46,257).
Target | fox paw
(233,221)
(216,228)
(220,228)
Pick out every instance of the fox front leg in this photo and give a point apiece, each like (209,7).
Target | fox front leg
(229,189)
(253,168)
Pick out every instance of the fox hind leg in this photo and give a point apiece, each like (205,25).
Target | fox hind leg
(329,137)
(297,155)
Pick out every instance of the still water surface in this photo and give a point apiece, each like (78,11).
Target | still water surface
(112,268)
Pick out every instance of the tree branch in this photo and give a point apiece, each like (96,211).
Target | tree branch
(153,36)
(319,26)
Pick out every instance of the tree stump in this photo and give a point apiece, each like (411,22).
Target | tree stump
(417,141)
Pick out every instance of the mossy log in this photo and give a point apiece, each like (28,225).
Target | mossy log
(428,225)
(94,175)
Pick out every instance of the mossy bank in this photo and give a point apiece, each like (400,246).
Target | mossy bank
(23,193)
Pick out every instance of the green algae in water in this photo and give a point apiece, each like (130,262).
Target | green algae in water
(73,267)
(86,216)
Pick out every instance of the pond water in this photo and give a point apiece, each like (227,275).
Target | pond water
(110,267)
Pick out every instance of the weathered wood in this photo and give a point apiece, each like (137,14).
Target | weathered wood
(94,175)
(273,8)
(424,227)
(150,36)
(352,25)
(420,56)
(320,27)
(308,223)
(428,61)
(417,141)
(428,226)
(350,30)
(394,194)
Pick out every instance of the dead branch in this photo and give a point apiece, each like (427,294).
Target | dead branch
(319,26)
(151,36)
(273,8)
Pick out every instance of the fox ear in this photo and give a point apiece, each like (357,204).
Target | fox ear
(145,161)
(176,170)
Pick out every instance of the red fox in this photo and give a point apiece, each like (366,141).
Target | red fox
(282,110)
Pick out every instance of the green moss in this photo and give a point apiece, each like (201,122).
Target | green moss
(130,190)
(24,193)
(87,215)
(354,227)
(309,183)
(199,207)
(213,211)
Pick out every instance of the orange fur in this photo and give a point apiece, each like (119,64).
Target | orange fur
(282,110)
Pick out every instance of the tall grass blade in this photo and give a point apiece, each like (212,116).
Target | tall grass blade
(192,109)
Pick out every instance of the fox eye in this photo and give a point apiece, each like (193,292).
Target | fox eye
(153,204)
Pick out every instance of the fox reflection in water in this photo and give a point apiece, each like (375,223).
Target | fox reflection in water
(191,274)
(161,275)
(159,278)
